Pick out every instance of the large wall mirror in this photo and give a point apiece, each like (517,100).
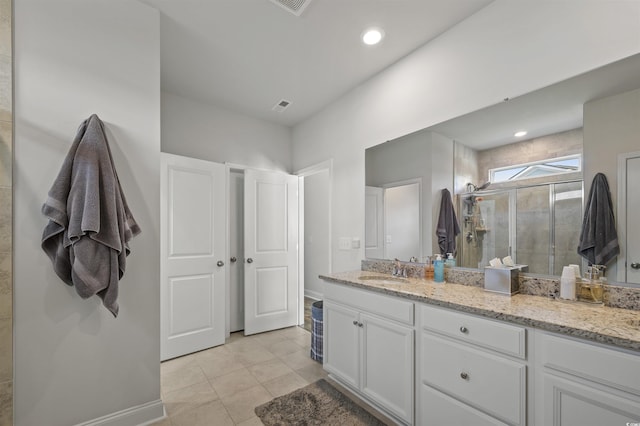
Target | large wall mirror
(521,196)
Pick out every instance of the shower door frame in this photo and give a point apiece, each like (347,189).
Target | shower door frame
(513,215)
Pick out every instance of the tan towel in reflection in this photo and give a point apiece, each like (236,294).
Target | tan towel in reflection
(90,224)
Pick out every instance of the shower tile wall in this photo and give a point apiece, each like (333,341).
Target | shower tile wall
(542,148)
(6,157)
(532,228)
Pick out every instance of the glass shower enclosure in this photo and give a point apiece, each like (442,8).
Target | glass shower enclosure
(537,225)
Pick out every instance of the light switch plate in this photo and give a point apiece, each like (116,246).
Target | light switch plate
(355,243)
(344,243)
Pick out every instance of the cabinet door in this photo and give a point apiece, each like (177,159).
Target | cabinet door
(387,365)
(341,342)
(569,403)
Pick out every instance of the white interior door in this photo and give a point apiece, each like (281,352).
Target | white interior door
(271,252)
(633,225)
(193,255)
(374,223)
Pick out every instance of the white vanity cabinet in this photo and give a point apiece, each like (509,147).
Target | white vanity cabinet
(586,384)
(369,346)
(471,370)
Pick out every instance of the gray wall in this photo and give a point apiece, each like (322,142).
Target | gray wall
(75,362)
(6,203)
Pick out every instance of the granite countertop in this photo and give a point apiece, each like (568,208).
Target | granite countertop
(610,326)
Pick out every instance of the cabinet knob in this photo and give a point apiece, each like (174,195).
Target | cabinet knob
(355,322)
(464,376)
(360,324)
(464,329)
(220,263)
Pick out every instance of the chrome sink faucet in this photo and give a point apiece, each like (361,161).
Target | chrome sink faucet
(399,270)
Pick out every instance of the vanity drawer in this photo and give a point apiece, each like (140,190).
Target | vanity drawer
(385,306)
(498,336)
(437,408)
(610,367)
(487,382)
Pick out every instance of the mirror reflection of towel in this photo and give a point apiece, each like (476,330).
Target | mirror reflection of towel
(598,237)
(448,228)
(90,223)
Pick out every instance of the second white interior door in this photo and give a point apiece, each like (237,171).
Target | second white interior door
(270,251)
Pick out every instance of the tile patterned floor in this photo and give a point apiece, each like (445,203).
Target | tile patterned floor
(222,386)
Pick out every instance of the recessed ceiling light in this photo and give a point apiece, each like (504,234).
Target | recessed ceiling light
(372,36)
(520,134)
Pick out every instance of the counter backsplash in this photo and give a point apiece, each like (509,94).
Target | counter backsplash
(614,296)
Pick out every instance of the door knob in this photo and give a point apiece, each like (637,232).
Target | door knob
(464,376)
(220,263)
(635,265)
(249,260)
(233,259)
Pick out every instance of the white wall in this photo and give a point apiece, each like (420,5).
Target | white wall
(611,127)
(74,362)
(316,231)
(425,155)
(507,49)
(198,130)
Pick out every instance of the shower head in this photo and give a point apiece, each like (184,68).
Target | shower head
(483,186)
(473,188)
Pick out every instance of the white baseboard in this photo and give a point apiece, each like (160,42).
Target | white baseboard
(312,294)
(140,415)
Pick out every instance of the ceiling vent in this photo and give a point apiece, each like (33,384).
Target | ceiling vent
(294,6)
(281,106)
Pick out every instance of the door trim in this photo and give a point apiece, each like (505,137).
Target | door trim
(621,276)
(323,166)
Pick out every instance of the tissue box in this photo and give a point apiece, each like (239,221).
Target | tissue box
(503,279)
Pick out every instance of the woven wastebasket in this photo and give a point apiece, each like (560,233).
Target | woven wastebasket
(316,331)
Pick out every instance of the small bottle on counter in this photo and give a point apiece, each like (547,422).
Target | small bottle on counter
(438,269)
(568,283)
(451,261)
(428,269)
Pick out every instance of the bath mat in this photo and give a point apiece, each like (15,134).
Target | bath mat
(316,404)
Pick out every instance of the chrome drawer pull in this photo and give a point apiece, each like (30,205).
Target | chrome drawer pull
(464,329)
(464,376)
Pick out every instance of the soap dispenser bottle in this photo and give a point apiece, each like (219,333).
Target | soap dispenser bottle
(451,261)
(438,269)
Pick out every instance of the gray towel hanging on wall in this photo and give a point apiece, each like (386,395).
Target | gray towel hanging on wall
(598,237)
(90,224)
(447,228)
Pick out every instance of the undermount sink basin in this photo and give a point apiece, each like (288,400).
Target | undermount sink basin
(377,279)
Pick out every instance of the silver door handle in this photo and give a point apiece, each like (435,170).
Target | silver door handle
(635,265)
(220,263)
(233,259)
(249,260)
